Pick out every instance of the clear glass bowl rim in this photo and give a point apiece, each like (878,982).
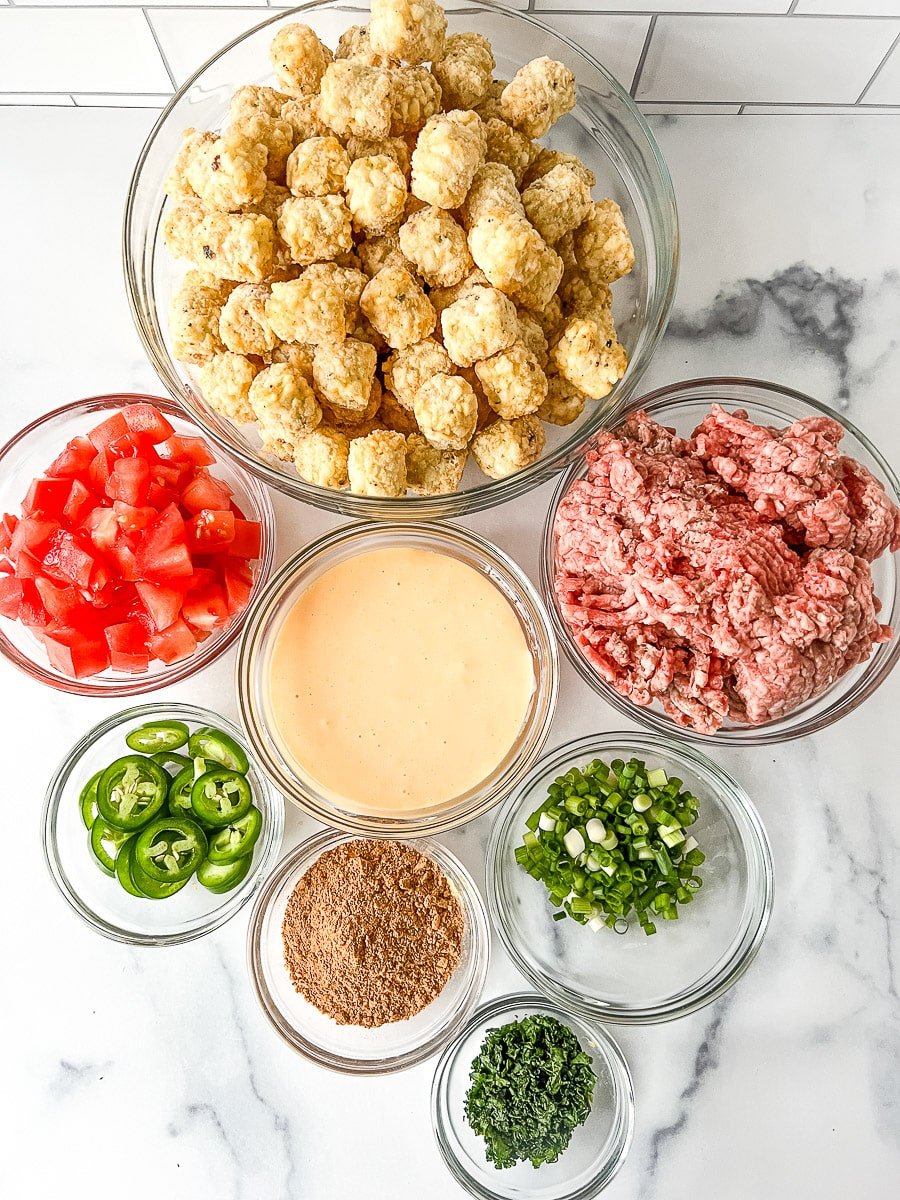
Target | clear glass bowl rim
(270,802)
(492,492)
(209,650)
(475,912)
(439,537)
(619,1070)
(755,843)
(657,403)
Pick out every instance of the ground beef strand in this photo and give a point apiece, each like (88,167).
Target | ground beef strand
(726,576)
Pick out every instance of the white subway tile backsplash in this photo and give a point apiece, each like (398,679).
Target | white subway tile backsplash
(673,6)
(86,49)
(30,99)
(849,8)
(96,100)
(615,41)
(763,59)
(189,36)
(886,87)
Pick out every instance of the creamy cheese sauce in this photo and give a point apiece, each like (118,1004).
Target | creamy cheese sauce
(399,680)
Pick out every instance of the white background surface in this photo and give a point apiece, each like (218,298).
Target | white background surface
(151,1073)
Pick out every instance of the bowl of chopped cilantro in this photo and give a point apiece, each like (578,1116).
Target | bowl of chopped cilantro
(531,1101)
(630,878)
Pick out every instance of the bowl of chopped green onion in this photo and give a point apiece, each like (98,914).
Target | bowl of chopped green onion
(630,878)
(532,1101)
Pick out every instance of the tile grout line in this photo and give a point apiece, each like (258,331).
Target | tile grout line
(162,55)
(878,69)
(793,7)
(639,69)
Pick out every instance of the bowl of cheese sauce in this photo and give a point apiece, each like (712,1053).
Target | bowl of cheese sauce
(398,679)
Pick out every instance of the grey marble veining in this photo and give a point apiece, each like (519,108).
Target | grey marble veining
(786,1087)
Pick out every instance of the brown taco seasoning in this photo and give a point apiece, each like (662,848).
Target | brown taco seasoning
(372,932)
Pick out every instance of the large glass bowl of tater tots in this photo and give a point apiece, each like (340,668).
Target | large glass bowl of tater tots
(401,262)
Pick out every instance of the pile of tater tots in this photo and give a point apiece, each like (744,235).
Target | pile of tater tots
(388,271)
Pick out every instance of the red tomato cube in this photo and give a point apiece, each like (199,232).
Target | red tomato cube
(74,460)
(147,422)
(127,644)
(211,529)
(74,653)
(174,643)
(205,492)
(206,609)
(247,539)
(47,496)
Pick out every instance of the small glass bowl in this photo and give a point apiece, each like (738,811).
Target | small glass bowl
(605,129)
(273,604)
(352,1049)
(29,453)
(682,406)
(597,1149)
(633,978)
(99,899)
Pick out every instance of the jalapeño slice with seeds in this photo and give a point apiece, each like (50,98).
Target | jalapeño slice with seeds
(170,849)
(220,797)
(131,792)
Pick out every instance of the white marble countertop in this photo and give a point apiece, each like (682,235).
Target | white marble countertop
(151,1073)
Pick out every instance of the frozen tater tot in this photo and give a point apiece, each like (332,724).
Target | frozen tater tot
(193,141)
(398,307)
(298,59)
(194,322)
(564,403)
(296,354)
(590,356)
(464,70)
(546,159)
(317,166)
(430,471)
(285,407)
(437,245)
(508,146)
(315,228)
(448,152)
(321,457)
(532,335)
(356,100)
(239,246)
(446,411)
(482,322)
(406,370)
(550,318)
(225,382)
(493,186)
(355,44)
(343,373)
(411,30)
(180,224)
(310,309)
(490,105)
(305,117)
(507,247)
(256,98)
(537,96)
(602,246)
(382,251)
(415,96)
(393,415)
(244,327)
(376,465)
(228,172)
(513,381)
(357,422)
(275,133)
(557,203)
(542,278)
(442,298)
(393,147)
(376,193)
(508,446)
(349,280)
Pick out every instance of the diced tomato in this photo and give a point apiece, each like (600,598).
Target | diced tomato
(129,481)
(205,492)
(47,496)
(80,501)
(102,527)
(173,643)
(109,432)
(68,558)
(206,609)
(74,460)
(238,584)
(32,534)
(60,602)
(12,591)
(32,612)
(162,554)
(99,472)
(162,604)
(202,577)
(127,644)
(28,566)
(211,529)
(247,539)
(148,422)
(125,558)
(187,450)
(131,519)
(8,525)
(75,654)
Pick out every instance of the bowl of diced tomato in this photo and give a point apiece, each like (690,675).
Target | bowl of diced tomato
(129,548)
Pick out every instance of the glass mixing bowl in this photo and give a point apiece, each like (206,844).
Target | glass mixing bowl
(352,1049)
(682,406)
(598,1147)
(605,129)
(29,453)
(101,901)
(267,617)
(633,978)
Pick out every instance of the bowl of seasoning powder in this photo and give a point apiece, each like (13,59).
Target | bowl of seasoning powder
(368,955)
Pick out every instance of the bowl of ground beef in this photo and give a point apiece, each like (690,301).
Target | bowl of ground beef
(724,563)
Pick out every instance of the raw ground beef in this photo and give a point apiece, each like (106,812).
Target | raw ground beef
(724,576)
